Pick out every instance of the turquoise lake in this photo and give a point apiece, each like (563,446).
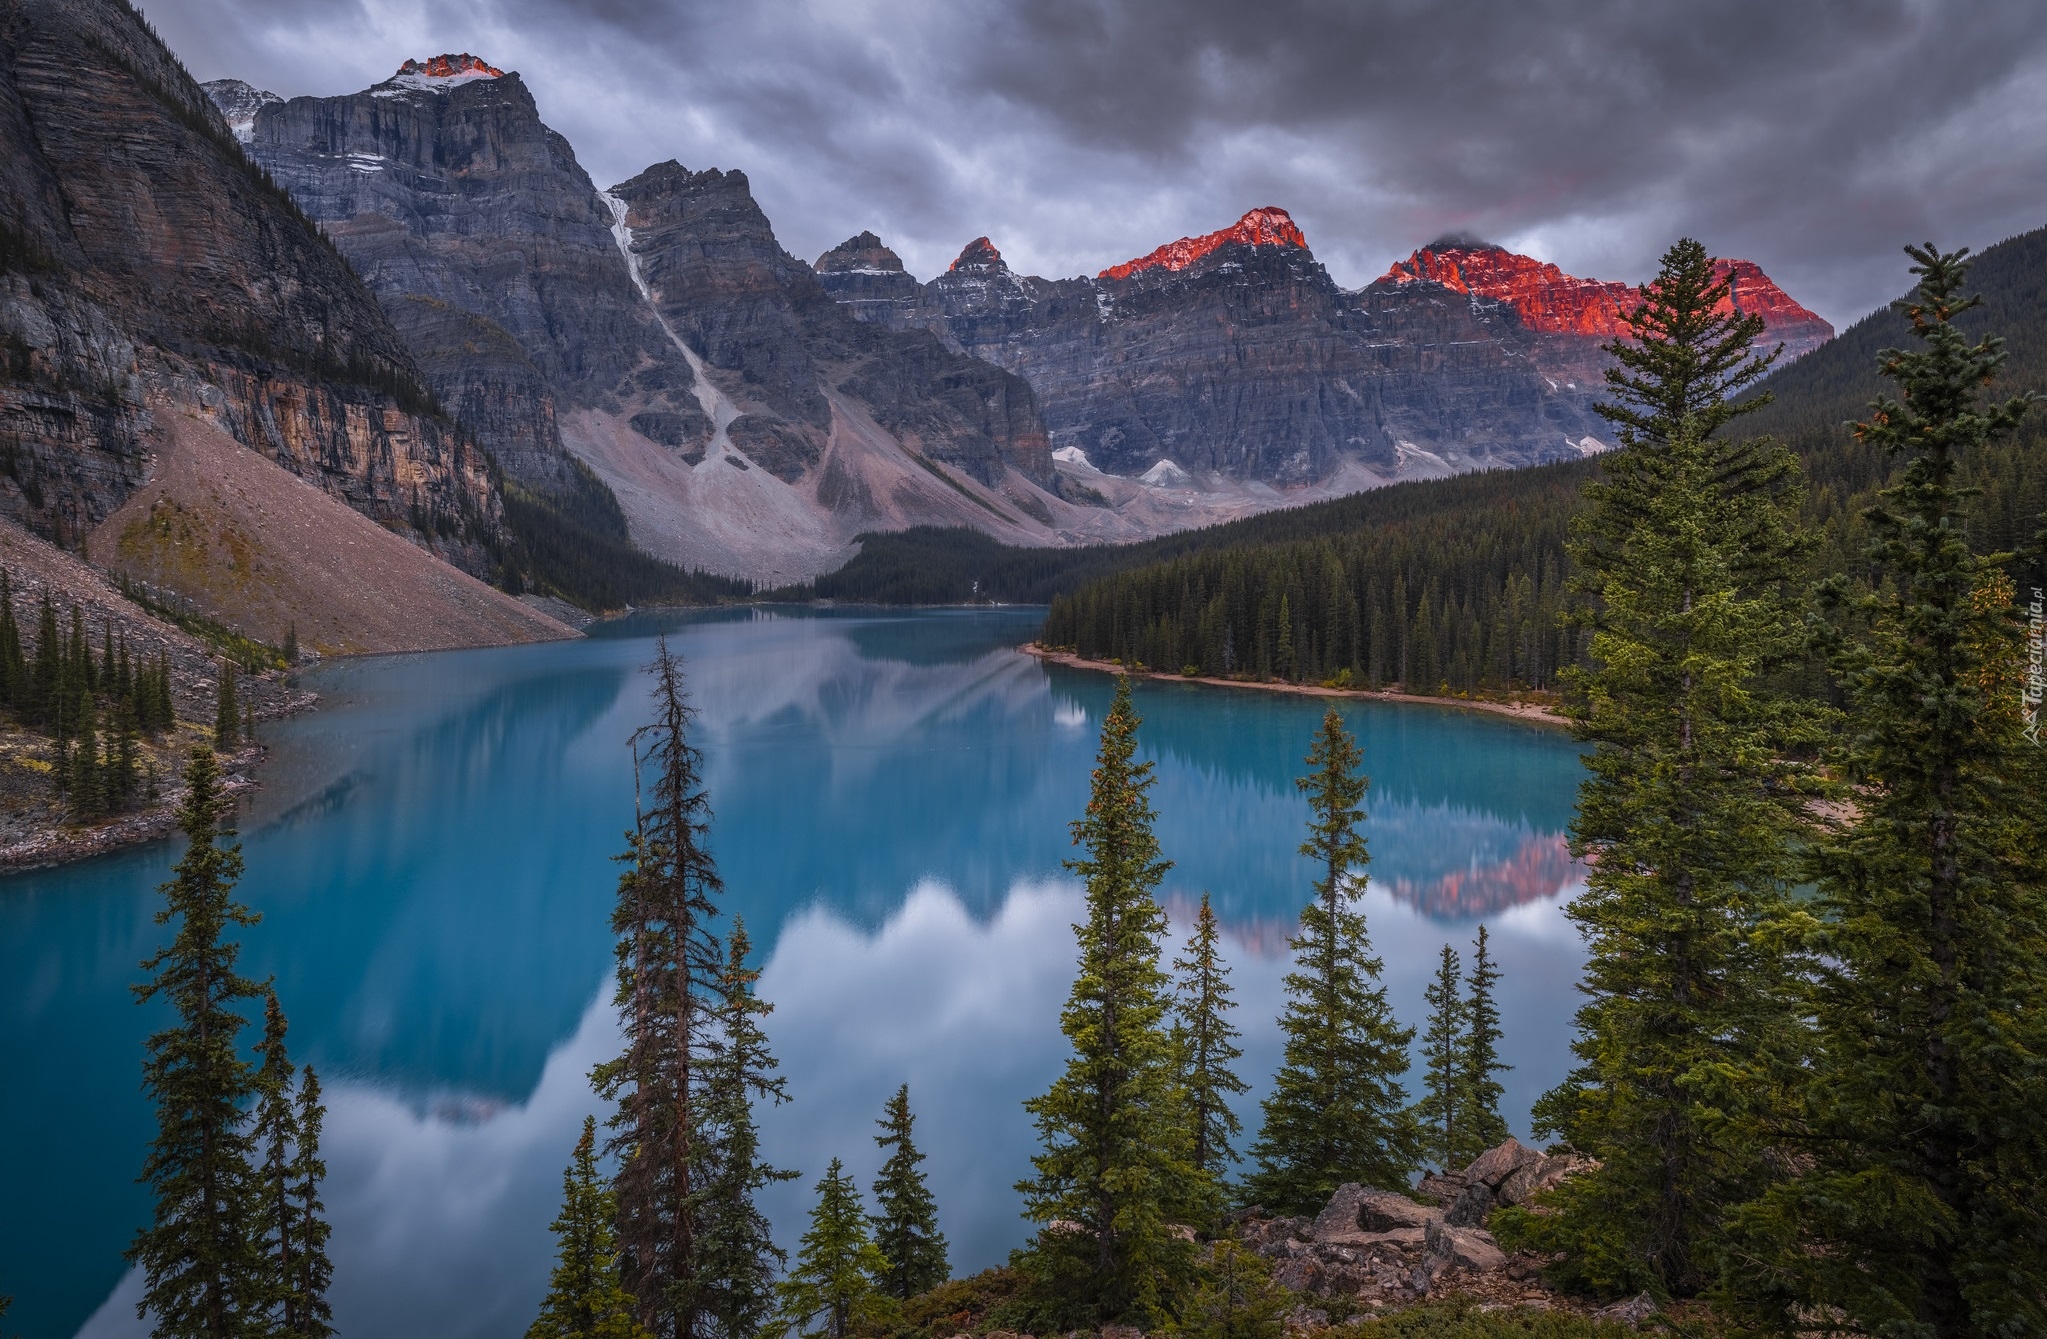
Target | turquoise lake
(431,856)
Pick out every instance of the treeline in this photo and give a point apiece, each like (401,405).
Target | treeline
(95,706)
(1452,600)
(574,544)
(1461,593)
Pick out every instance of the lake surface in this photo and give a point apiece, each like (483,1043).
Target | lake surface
(431,856)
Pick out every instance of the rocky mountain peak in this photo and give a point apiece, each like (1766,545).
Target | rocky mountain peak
(979,257)
(1268,226)
(239,103)
(860,254)
(440,73)
(1550,301)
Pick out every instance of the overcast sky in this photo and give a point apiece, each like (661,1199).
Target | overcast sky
(1814,137)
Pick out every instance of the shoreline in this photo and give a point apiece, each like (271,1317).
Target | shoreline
(1533,713)
(60,843)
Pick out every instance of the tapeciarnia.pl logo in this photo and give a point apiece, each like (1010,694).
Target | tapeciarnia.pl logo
(2036,666)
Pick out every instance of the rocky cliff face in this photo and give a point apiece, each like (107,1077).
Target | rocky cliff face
(1235,356)
(1572,317)
(726,286)
(657,330)
(489,247)
(144,263)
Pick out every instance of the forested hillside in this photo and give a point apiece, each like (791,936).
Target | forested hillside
(1455,587)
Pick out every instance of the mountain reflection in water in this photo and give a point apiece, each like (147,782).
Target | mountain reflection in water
(431,855)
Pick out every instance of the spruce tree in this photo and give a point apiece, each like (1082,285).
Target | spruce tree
(838,1270)
(669,984)
(86,785)
(1337,1112)
(1918,1212)
(1480,1125)
(1695,800)
(41,705)
(906,1228)
(227,718)
(275,1139)
(291,644)
(585,1298)
(737,1258)
(1206,1042)
(1442,1061)
(306,1288)
(203,1269)
(1116,1172)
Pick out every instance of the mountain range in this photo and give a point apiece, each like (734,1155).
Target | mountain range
(414,299)
(753,414)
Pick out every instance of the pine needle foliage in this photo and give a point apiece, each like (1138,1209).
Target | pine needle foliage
(586,1298)
(1480,1126)
(201,1257)
(227,717)
(1116,1171)
(906,1226)
(275,1136)
(838,1272)
(1442,1060)
(1337,1112)
(670,982)
(737,1258)
(1206,1041)
(306,1311)
(1919,1213)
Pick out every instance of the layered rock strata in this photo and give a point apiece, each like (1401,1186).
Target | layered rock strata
(144,262)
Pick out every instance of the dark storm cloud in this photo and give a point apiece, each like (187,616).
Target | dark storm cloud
(1813,137)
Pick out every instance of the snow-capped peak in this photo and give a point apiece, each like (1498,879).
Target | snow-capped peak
(238,103)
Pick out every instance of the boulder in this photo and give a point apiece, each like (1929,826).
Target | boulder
(1465,1248)
(1471,1207)
(1300,1273)
(1305,1320)
(1633,1311)
(1532,1178)
(1270,1236)
(1496,1164)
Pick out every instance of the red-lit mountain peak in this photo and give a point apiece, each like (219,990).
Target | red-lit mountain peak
(462,66)
(978,257)
(1261,227)
(1544,297)
(1548,300)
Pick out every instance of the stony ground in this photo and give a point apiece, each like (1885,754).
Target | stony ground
(261,550)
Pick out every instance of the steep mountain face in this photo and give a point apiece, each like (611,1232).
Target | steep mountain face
(489,247)
(657,331)
(1572,317)
(1235,357)
(725,284)
(146,265)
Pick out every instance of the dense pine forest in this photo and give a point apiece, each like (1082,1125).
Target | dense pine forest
(1456,586)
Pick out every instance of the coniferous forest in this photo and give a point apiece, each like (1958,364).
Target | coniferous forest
(1810,1057)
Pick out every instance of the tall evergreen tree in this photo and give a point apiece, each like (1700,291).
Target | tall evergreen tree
(838,1267)
(1437,1113)
(669,984)
(1693,805)
(906,1228)
(312,1272)
(47,673)
(1919,1213)
(737,1258)
(1337,1112)
(201,1257)
(227,718)
(585,1297)
(1116,1171)
(1480,1125)
(274,1141)
(1206,1041)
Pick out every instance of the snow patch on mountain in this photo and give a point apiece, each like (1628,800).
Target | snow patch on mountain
(238,103)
